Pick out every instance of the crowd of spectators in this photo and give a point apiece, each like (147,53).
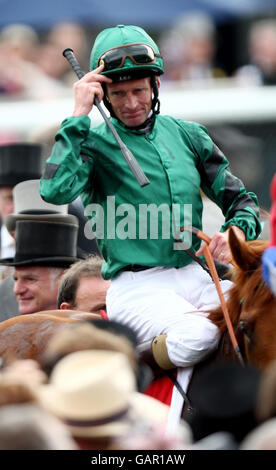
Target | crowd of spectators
(35,69)
(34,66)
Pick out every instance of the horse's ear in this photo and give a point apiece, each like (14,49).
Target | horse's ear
(242,254)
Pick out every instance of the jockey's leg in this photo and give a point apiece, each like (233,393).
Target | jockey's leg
(196,286)
(150,302)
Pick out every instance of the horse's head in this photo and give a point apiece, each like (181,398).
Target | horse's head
(251,304)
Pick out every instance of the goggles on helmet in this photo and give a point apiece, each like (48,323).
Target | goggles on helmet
(138,53)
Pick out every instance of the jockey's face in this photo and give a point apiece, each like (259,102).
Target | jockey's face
(36,288)
(131,100)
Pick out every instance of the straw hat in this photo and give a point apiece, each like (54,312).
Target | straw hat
(94,393)
(28,205)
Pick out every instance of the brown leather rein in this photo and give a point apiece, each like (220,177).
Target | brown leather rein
(215,277)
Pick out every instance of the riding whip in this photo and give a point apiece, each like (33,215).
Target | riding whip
(127,154)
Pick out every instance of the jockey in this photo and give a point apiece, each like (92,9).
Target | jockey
(269,256)
(156,287)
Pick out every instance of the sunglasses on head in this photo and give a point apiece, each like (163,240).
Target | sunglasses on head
(138,53)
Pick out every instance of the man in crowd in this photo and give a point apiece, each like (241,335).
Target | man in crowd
(27,205)
(43,251)
(83,288)
(18,162)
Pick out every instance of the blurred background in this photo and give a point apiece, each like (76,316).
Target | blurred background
(220,70)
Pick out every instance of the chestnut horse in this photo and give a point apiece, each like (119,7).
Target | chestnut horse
(27,336)
(251,305)
(252,310)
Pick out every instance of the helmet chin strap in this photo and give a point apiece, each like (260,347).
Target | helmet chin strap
(155,100)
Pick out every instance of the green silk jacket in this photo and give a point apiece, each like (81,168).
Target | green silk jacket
(140,225)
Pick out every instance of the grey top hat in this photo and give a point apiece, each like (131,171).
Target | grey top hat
(44,243)
(19,162)
(28,205)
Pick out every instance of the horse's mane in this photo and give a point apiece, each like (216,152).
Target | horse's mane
(247,279)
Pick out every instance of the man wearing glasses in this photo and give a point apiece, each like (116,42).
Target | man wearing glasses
(156,287)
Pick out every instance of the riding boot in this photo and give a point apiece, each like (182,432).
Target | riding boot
(154,353)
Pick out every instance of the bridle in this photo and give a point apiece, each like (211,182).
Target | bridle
(215,277)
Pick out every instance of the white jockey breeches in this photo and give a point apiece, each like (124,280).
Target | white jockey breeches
(169,301)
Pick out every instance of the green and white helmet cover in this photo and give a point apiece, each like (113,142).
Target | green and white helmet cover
(119,36)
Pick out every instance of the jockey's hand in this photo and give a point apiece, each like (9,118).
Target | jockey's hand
(85,90)
(219,246)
